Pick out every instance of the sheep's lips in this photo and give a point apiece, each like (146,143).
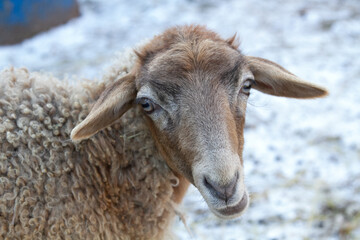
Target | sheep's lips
(233,211)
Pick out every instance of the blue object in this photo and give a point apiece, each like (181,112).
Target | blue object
(20,19)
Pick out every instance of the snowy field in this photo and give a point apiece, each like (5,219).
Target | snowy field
(302,157)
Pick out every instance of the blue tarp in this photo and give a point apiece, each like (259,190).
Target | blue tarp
(24,18)
(22,11)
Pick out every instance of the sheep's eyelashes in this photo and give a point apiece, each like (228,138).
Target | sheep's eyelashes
(147,105)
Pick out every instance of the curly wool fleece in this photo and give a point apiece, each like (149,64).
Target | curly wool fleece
(111,186)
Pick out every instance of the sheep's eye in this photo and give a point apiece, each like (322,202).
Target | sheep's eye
(247,86)
(147,105)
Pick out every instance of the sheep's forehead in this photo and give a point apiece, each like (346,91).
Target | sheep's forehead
(182,60)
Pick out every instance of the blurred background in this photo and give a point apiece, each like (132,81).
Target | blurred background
(302,157)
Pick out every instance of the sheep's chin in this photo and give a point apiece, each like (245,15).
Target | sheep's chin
(224,210)
(233,211)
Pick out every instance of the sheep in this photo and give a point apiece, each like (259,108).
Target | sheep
(168,114)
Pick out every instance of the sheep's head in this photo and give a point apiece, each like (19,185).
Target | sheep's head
(193,88)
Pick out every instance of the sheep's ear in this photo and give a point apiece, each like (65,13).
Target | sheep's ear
(112,103)
(273,79)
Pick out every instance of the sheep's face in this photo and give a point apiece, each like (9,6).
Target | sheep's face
(193,88)
(194,96)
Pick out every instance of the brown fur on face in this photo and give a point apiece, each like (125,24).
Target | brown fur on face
(176,63)
(195,77)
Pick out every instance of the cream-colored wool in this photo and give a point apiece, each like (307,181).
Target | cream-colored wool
(111,186)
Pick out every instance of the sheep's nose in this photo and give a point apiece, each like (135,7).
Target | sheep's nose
(223,192)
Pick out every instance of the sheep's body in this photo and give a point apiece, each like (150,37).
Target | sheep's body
(192,86)
(112,186)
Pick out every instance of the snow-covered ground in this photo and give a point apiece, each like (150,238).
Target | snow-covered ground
(302,157)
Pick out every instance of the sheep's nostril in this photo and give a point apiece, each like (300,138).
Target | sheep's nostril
(223,192)
(215,189)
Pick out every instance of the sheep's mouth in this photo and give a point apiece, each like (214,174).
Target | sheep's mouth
(238,208)
(230,212)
